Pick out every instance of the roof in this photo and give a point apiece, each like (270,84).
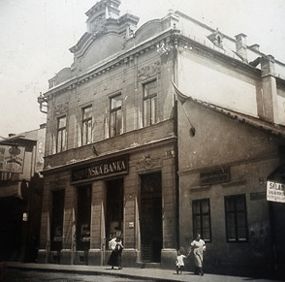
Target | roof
(258,123)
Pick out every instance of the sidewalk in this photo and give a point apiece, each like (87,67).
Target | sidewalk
(133,273)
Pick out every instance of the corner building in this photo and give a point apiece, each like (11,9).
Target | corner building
(111,144)
(130,152)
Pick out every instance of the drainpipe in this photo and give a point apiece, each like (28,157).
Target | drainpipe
(175,123)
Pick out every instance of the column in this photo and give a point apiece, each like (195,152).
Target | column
(68,250)
(168,254)
(97,236)
(130,253)
(45,227)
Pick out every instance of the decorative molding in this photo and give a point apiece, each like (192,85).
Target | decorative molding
(235,182)
(147,163)
(200,188)
(149,71)
(61,109)
(110,65)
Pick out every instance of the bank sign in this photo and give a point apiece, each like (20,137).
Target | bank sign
(101,169)
(275,192)
(11,158)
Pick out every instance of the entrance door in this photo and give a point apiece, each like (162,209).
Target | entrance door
(151,217)
(114,208)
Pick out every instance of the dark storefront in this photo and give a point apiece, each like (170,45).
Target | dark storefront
(119,196)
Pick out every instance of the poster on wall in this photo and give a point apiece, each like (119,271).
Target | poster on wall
(11,158)
(275,192)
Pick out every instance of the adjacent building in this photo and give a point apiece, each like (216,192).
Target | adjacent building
(156,133)
(21,161)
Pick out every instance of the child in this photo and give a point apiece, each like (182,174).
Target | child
(180,262)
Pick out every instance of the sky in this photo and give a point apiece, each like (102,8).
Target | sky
(35,36)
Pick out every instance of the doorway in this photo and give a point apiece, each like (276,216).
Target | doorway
(114,208)
(151,217)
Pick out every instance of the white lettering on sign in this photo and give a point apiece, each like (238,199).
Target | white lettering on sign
(107,168)
(275,192)
(101,169)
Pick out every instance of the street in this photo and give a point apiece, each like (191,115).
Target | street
(13,275)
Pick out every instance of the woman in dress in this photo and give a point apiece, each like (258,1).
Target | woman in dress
(116,246)
(198,247)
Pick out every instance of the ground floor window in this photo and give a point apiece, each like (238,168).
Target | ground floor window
(57,220)
(202,219)
(83,217)
(236,218)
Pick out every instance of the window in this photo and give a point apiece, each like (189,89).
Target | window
(202,219)
(61,134)
(236,221)
(57,210)
(115,115)
(83,217)
(150,103)
(86,125)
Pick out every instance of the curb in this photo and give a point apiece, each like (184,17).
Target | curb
(67,269)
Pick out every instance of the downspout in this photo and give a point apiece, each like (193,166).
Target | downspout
(175,124)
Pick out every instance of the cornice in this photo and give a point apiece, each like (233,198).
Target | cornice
(141,147)
(115,61)
(163,42)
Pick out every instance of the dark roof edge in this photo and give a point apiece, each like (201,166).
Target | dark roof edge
(274,129)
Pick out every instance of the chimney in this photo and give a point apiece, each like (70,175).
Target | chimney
(241,46)
(267,97)
(254,47)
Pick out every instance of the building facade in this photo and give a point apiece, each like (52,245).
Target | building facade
(125,157)
(110,152)
(21,160)
(231,124)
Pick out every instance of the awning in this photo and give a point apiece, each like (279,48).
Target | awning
(11,190)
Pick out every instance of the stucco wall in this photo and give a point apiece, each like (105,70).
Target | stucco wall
(281,105)
(209,79)
(251,155)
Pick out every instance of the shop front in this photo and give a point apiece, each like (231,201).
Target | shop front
(132,196)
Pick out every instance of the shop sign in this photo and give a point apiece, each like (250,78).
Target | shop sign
(275,192)
(215,176)
(11,158)
(102,169)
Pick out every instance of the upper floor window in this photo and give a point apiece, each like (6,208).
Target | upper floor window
(202,218)
(61,134)
(86,125)
(236,218)
(115,115)
(150,103)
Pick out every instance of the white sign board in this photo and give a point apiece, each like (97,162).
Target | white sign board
(275,192)
(12,158)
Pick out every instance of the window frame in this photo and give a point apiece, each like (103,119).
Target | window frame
(235,212)
(114,111)
(84,126)
(60,130)
(150,97)
(201,214)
